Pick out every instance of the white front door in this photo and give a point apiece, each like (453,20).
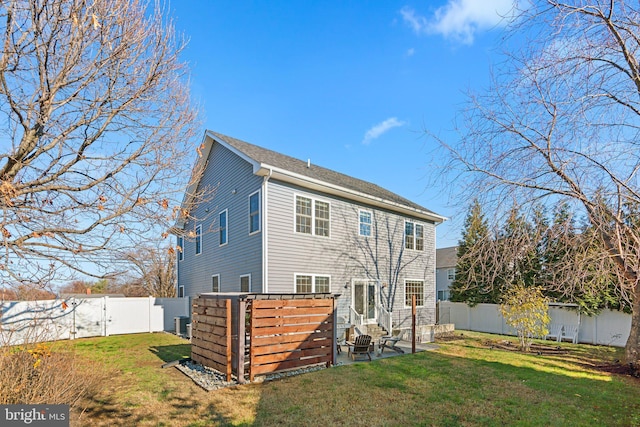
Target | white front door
(364,299)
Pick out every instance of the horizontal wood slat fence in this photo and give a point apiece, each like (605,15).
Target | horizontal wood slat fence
(211,334)
(275,332)
(290,334)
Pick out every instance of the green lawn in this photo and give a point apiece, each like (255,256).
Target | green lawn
(463,383)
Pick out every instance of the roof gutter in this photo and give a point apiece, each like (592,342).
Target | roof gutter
(307,182)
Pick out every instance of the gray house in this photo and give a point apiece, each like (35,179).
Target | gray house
(276,224)
(446,261)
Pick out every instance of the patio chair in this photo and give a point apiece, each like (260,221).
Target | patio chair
(390,341)
(360,346)
(570,332)
(555,332)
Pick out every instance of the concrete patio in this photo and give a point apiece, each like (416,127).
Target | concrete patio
(344,358)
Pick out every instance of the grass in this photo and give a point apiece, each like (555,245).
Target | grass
(463,383)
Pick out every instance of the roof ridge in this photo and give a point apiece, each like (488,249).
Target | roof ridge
(291,164)
(277,153)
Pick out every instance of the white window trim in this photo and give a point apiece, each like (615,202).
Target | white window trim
(226,228)
(313,281)
(360,211)
(181,291)
(313,215)
(180,245)
(424,291)
(259,212)
(404,236)
(198,234)
(212,276)
(240,284)
(415,235)
(451,274)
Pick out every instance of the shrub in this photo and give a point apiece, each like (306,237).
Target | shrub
(526,310)
(38,374)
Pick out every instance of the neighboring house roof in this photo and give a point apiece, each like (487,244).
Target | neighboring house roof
(269,163)
(447,257)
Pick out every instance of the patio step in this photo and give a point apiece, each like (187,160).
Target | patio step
(376,332)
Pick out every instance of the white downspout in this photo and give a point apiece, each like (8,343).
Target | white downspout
(265,252)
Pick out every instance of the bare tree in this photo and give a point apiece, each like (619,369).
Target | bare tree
(561,122)
(382,256)
(96,121)
(154,271)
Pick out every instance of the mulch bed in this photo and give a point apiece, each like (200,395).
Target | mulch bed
(540,349)
(545,349)
(627,369)
(449,336)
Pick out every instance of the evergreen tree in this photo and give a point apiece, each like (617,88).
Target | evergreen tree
(470,284)
(520,244)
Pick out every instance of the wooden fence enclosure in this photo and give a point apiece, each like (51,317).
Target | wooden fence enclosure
(260,334)
(211,334)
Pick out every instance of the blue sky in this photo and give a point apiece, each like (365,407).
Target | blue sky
(350,85)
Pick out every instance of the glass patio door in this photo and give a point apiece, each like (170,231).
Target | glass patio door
(364,300)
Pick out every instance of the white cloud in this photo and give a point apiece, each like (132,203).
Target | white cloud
(462,19)
(417,23)
(411,51)
(381,128)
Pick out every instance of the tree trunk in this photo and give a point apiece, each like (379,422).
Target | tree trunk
(632,349)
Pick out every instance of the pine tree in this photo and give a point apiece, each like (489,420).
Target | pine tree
(470,284)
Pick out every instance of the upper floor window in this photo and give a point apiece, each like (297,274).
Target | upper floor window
(312,216)
(180,248)
(245,283)
(254,212)
(198,239)
(413,236)
(451,274)
(223,227)
(414,287)
(303,215)
(365,223)
(309,283)
(215,283)
(419,237)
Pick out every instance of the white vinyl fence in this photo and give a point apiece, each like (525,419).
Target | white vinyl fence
(607,328)
(50,320)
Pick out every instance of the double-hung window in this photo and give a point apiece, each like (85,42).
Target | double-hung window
(180,248)
(309,283)
(414,287)
(222,221)
(303,214)
(254,212)
(451,274)
(413,236)
(312,216)
(365,223)
(215,283)
(198,239)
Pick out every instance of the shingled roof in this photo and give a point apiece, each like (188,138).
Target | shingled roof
(273,158)
(312,176)
(447,257)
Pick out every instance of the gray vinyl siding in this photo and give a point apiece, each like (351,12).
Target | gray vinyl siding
(233,181)
(341,255)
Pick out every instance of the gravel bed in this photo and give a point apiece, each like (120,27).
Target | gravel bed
(210,379)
